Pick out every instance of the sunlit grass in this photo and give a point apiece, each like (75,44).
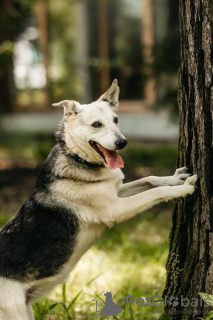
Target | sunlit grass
(129,260)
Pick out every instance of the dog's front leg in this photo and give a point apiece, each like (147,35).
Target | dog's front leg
(135,187)
(122,209)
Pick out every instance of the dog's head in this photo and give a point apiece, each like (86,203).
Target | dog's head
(92,130)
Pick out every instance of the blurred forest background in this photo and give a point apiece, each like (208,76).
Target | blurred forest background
(52,50)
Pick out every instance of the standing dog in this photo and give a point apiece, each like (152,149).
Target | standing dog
(78,193)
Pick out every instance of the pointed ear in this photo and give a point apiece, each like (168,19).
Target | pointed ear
(70,107)
(111,95)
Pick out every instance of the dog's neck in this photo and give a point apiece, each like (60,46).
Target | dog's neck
(85,162)
(82,152)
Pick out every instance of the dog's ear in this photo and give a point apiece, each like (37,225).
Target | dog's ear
(70,107)
(111,95)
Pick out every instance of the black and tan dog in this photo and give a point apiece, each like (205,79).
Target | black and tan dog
(79,192)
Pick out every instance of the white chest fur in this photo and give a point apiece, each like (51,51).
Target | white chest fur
(85,239)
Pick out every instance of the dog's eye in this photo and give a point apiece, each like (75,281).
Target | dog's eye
(97,124)
(116,119)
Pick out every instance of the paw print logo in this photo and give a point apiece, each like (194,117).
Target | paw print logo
(173,301)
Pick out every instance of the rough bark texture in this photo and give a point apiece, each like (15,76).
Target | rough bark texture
(190,262)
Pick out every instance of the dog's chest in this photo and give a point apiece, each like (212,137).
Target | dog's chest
(84,240)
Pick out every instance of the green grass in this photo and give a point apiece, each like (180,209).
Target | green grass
(4,219)
(128,260)
(26,147)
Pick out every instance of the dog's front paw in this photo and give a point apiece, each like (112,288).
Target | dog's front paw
(191,180)
(189,185)
(181,175)
(182,191)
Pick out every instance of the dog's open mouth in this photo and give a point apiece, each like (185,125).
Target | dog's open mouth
(112,159)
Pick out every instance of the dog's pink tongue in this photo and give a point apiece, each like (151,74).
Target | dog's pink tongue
(113,160)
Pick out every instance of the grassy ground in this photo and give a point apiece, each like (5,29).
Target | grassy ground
(128,260)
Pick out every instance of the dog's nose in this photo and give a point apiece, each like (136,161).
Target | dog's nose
(121,143)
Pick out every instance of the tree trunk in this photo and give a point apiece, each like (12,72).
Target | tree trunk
(41,14)
(83,52)
(103,46)
(147,40)
(190,262)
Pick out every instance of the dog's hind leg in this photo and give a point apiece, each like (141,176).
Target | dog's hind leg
(12,301)
(30,311)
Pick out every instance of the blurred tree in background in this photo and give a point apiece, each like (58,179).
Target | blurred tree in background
(166,53)
(53,49)
(11,24)
(64,60)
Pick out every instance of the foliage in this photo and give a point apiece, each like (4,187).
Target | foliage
(63,50)
(4,219)
(13,16)
(67,64)
(209,316)
(206,296)
(26,147)
(6,52)
(209,298)
(164,316)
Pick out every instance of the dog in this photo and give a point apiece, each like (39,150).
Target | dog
(78,194)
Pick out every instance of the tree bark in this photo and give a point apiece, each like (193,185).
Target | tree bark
(190,262)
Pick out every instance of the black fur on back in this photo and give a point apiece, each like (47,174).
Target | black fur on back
(41,237)
(37,241)
(59,136)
